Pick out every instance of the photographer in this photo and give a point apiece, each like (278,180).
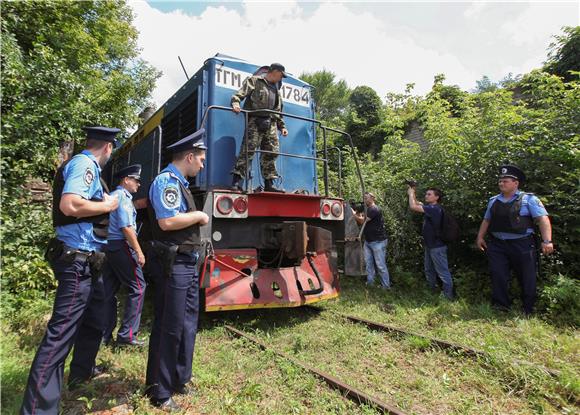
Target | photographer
(375,245)
(435,248)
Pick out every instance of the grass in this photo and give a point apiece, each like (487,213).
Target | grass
(231,376)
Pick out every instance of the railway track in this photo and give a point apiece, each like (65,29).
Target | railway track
(347,390)
(433,341)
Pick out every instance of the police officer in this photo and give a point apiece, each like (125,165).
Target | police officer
(125,260)
(175,249)
(510,218)
(261,92)
(80,210)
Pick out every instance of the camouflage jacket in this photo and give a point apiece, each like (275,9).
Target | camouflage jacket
(255,91)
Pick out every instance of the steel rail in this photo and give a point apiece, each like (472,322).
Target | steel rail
(443,344)
(349,392)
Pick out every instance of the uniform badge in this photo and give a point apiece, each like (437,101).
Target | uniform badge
(503,171)
(171,197)
(89,176)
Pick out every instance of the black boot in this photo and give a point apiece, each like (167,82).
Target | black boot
(237,183)
(269,186)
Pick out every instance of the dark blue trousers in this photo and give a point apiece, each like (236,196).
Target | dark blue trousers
(174,327)
(122,269)
(518,255)
(77,319)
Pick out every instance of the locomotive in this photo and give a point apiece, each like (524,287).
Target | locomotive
(264,249)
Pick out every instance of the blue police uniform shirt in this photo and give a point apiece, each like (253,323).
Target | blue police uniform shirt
(531,206)
(165,193)
(82,177)
(122,217)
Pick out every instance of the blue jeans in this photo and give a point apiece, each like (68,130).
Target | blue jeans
(376,254)
(436,265)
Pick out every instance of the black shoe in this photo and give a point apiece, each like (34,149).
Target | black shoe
(133,342)
(185,389)
(75,383)
(269,186)
(98,370)
(237,183)
(167,405)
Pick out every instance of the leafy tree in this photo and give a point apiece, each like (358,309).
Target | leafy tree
(331,96)
(365,118)
(65,64)
(452,94)
(485,84)
(564,54)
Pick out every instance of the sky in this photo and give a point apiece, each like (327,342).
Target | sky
(385,45)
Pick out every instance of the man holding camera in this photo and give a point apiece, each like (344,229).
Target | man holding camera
(435,249)
(375,245)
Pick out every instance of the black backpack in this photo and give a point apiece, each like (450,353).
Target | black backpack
(450,230)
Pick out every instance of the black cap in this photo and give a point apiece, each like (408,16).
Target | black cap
(133,171)
(278,67)
(513,172)
(103,134)
(190,142)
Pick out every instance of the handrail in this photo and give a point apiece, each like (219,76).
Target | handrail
(298,117)
(339,153)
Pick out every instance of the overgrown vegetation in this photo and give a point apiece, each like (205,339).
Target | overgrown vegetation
(530,120)
(65,65)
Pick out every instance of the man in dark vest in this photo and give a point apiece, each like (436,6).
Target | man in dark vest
(125,260)
(510,219)
(375,242)
(261,92)
(176,242)
(80,210)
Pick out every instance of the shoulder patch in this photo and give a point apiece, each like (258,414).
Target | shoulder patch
(89,176)
(171,197)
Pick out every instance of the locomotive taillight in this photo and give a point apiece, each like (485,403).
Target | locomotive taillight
(230,205)
(241,205)
(331,209)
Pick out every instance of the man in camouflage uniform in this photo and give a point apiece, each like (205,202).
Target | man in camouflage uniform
(261,92)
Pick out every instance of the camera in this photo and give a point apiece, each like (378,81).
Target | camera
(357,206)
(411,182)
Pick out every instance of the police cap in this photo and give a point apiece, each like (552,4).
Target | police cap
(191,142)
(103,134)
(511,171)
(278,67)
(133,171)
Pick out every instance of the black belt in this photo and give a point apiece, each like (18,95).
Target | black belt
(188,249)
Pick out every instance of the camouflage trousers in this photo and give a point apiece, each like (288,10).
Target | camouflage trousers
(268,141)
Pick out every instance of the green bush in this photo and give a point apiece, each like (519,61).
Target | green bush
(561,301)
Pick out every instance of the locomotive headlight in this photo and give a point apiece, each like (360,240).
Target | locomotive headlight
(336,209)
(224,205)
